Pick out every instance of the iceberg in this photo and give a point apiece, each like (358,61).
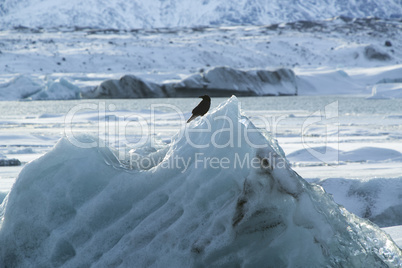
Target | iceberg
(25,87)
(19,87)
(220,194)
(386,91)
(128,86)
(216,82)
(4,161)
(221,81)
(61,89)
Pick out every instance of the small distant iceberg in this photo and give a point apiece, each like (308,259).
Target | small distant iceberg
(61,89)
(387,91)
(329,155)
(5,162)
(23,87)
(9,162)
(221,194)
(19,87)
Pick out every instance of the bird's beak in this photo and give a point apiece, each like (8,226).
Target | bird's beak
(200,97)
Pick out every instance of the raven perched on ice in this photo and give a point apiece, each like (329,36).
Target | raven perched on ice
(202,108)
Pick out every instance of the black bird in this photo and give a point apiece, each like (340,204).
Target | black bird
(202,108)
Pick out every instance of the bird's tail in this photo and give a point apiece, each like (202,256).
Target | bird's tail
(191,118)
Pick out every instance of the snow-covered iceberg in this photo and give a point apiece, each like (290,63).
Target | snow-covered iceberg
(25,87)
(387,91)
(61,89)
(216,82)
(19,87)
(221,194)
(128,86)
(223,81)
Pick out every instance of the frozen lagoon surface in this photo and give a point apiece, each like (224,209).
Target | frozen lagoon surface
(102,213)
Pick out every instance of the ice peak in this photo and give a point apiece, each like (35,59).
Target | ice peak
(221,196)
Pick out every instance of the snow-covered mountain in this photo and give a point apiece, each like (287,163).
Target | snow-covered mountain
(179,13)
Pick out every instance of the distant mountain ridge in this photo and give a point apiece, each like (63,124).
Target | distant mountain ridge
(125,14)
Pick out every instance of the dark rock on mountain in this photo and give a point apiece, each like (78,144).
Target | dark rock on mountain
(373,53)
(388,43)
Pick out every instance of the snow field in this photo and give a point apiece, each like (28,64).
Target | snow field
(331,58)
